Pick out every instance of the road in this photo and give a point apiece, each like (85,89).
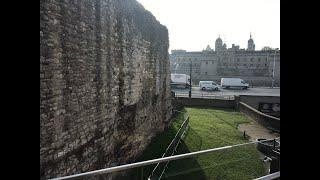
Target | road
(262,91)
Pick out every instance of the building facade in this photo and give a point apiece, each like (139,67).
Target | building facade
(255,67)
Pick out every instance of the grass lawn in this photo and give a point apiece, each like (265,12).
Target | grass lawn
(209,128)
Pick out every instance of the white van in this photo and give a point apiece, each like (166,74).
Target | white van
(233,82)
(180,80)
(208,85)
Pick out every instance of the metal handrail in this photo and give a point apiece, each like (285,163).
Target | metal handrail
(269,176)
(186,120)
(204,95)
(154,161)
(175,149)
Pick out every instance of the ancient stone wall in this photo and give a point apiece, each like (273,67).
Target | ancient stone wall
(104,84)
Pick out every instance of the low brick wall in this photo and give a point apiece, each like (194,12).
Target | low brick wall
(261,118)
(184,101)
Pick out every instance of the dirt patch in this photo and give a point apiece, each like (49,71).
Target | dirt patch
(255,130)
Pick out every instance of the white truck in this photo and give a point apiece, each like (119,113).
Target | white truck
(208,85)
(180,81)
(233,83)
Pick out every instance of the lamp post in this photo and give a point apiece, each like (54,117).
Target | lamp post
(274,63)
(190,79)
(176,65)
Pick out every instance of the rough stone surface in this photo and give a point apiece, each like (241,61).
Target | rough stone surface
(104,84)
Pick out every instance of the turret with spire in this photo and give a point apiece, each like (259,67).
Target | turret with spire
(251,45)
(208,48)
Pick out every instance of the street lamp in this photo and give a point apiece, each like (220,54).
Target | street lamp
(190,79)
(176,65)
(274,63)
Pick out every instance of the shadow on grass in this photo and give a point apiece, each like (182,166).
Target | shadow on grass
(182,168)
(230,164)
(188,168)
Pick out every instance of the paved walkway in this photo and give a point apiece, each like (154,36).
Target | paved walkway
(255,130)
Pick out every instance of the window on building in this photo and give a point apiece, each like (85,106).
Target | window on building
(265,64)
(251,59)
(206,62)
(258,65)
(251,65)
(259,59)
(205,73)
(245,64)
(238,59)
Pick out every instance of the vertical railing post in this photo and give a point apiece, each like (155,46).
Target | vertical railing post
(142,173)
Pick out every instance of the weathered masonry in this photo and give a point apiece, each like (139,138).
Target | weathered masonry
(104,84)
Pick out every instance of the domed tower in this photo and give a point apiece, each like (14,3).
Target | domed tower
(218,45)
(251,45)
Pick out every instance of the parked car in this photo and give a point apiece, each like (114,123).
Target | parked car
(233,83)
(208,85)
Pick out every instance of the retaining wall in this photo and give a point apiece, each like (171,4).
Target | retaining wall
(263,119)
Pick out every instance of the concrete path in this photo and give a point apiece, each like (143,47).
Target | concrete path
(256,131)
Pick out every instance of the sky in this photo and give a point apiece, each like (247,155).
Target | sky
(194,24)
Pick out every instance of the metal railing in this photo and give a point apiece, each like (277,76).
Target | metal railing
(174,143)
(205,95)
(155,161)
(269,176)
